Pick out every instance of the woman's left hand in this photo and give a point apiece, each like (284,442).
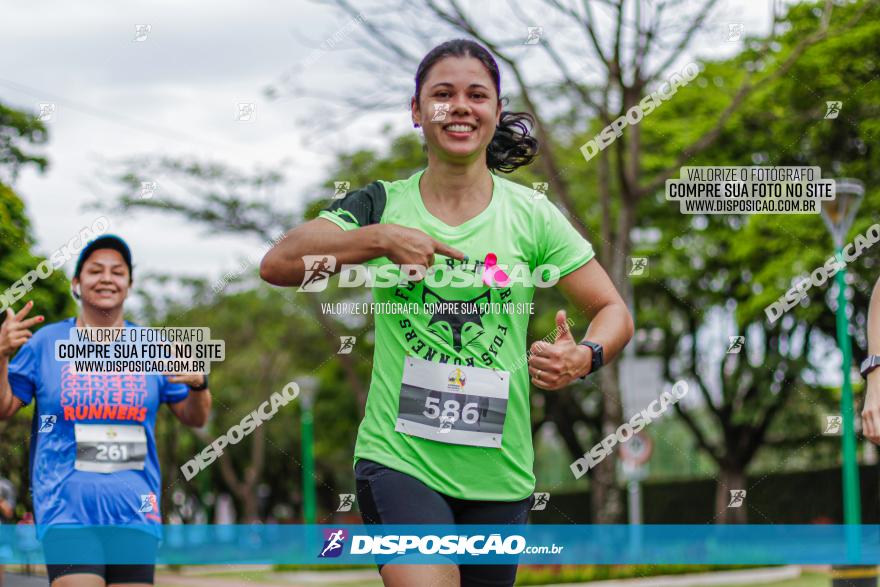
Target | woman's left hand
(553,366)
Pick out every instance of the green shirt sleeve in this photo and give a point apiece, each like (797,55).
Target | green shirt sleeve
(358,208)
(559,243)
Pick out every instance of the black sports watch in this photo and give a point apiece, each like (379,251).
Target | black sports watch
(201,387)
(869,364)
(598,359)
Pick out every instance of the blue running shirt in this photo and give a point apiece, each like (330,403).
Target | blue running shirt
(62,493)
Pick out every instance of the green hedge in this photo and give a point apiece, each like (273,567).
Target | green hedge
(807,497)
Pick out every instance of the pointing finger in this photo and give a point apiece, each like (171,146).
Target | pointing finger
(445,249)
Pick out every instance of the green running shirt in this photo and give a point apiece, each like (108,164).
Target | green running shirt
(522,228)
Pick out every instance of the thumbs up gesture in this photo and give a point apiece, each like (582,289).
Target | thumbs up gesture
(553,366)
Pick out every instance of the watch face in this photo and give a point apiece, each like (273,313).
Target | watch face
(598,359)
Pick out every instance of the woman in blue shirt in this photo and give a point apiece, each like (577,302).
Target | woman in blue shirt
(93,448)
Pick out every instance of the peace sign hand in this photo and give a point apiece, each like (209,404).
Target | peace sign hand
(15,330)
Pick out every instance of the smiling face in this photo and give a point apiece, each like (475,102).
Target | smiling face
(458,108)
(104,280)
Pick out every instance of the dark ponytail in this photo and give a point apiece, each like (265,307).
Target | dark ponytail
(512,146)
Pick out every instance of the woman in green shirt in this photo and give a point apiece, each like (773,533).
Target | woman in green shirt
(446,436)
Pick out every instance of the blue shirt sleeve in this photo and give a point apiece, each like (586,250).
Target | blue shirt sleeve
(24,372)
(171,392)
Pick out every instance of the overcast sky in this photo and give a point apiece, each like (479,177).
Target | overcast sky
(175,92)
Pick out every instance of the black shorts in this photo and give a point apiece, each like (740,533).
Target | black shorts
(386,496)
(58,542)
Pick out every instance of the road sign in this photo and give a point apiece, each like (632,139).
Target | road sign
(637,450)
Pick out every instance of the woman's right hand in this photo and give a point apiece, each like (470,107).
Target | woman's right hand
(410,246)
(14,331)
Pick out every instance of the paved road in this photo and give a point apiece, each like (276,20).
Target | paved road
(370,578)
(291,579)
(16,580)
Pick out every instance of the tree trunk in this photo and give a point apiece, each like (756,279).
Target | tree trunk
(731,478)
(606,496)
(250,504)
(251,478)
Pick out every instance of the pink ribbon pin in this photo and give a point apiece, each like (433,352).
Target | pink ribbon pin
(493,275)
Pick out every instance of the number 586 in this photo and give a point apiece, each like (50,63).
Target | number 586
(452,410)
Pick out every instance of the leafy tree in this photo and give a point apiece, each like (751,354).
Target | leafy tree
(19,131)
(716,274)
